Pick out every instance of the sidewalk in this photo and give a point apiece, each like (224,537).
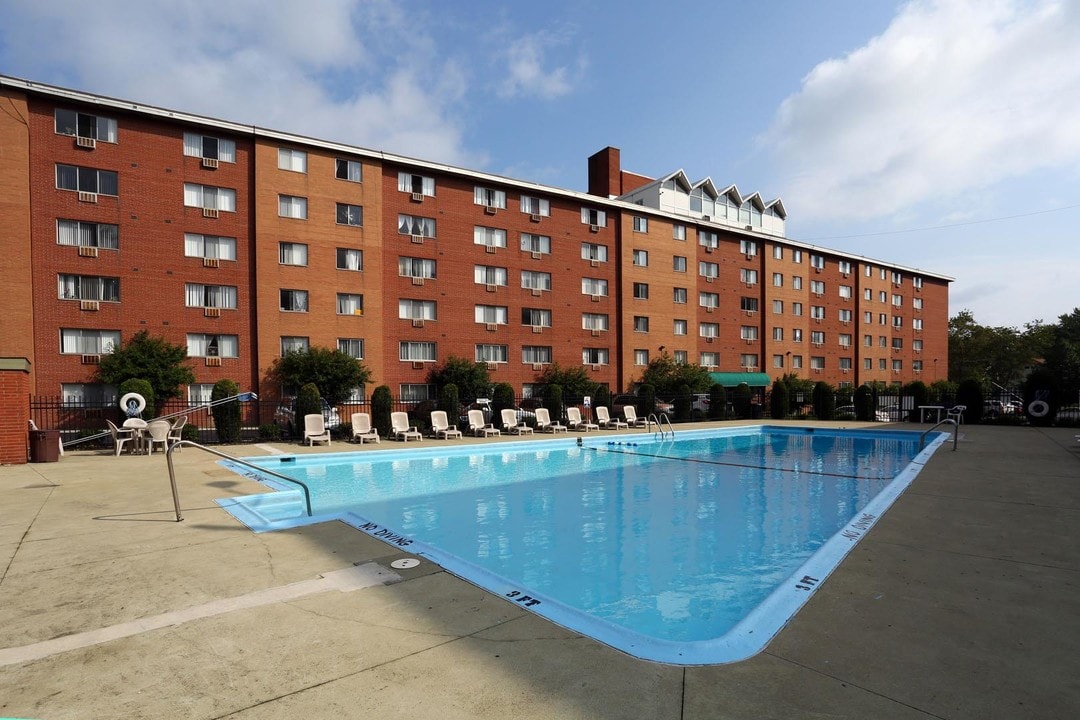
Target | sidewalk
(962,602)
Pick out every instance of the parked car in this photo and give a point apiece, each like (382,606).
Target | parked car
(286,413)
(998,407)
(619,401)
(888,413)
(700,403)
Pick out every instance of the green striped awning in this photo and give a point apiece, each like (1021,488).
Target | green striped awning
(734,379)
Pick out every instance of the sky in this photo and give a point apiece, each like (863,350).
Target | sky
(942,135)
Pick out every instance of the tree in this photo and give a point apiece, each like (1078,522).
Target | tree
(864,403)
(450,403)
(717,402)
(502,398)
(153,359)
(824,401)
(779,401)
(575,381)
(992,355)
(666,375)
(1063,354)
(335,373)
(226,415)
(382,404)
(472,378)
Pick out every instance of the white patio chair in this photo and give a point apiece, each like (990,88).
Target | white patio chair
(121,436)
(157,432)
(361,428)
(575,422)
(544,423)
(176,432)
(315,429)
(956,413)
(512,425)
(440,426)
(632,419)
(604,419)
(400,428)
(480,427)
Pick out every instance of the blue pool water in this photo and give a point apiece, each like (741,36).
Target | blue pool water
(690,551)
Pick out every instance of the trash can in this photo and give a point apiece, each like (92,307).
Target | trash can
(44,446)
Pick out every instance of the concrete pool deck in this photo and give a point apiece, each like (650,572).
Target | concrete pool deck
(963,601)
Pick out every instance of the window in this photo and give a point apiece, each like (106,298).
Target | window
(817,287)
(350,170)
(796,309)
(796,282)
(641,224)
(709,330)
(845,292)
(868,364)
(351,259)
(796,257)
(916,324)
(209,296)
(641,324)
(489,237)
(897,278)
(868,341)
(898,343)
(350,215)
(817,362)
(539,207)
(681,357)
(489,275)
(778,307)
(353,347)
(678,232)
(212,148)
(412,267)
(709,270)
(883,296)
(87,234)
(897,365)
(592,251)
(209,246)
(845,316)
(817,261)
(641,258)
(845,363)
(748,304)
(917,303)
(868,317)
(350,304)
(535,243)
(796,335)
(89,342)
(415,392)
(290,253)
(594,321)
(293,344)
(678,296)
(88,393)
(490,314)
(883,341)
(416,184)
(796,362)
(416,309)
(748,360)
(293,300)
(867,294)
(593,217)
(897,321)
(917,283)
(88,287)
(708,239)
(778,252)
(883,364)
(535,354)
(594,286)
(419,226)
(199,394)
(748,332)
(845,340)
(778,279)
(845,267)
(778,334)
(748,276)
(748,247)
(883,319)
(594,356)
(679,327)
(292,160)
(678,264)
(916,365)
(641,291)
(77,124)
(817,312)
(916,345)
(536,317)
(492,354)
(778,361)
(489,198)
(199,345)
(291,206)
(708,300)
(869,273)
(709,359)
(88,180)
(417,351)
(897,300)
(532,280)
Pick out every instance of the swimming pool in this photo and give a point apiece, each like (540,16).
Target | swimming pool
(693,551)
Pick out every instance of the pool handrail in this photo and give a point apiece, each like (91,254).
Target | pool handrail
(190,443)
(663,418)
(946,421)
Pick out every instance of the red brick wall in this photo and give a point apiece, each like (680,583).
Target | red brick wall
(14,411)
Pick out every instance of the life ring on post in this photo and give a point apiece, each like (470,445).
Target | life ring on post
(1038,408)
(139,404)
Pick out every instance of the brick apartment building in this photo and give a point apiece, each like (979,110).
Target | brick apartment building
(241,242)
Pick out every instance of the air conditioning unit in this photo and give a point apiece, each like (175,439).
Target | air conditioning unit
(489,249)
(537,292)
(748,227)
(710,279)
(709,339)
(534,218)
(709,308)
(706,217)
(817,370)
(749,368)
(210,212)
(594,263)
(211,262)
(596,368)
(490,209)
(87,197)
(536,255)
(491,327)
(212,312)
(595,333)
(417,365)
(87,251)
(417,197)
(594,228)
(750,284)
(91,359)
(896,372)
(537,367)
(492,366)
(708,249)
(537,329)
(87,143)
(490,287)
(210,163)
(213,362)
(418,281)
(844,370)
(750,256)
(418,239)
(594,298)
(749,341)
(749,313)
(418,322)
(817,269)
(845,274)
(89,305)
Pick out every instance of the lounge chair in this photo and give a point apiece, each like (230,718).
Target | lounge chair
(480,427)
(544,424)
(956,413)
(512,425)
(604,419)
(440,426)
(361,428)
(400,428)
(157,433)
(121,436)
(574,421)
(315,429)
(176,432)
(632,419)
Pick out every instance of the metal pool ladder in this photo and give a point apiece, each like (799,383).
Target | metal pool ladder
(946,421)
(189,443)
(659,422)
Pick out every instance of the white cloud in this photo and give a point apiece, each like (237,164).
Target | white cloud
(954,96)
(527,74)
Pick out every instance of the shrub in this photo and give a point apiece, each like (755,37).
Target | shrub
(190,432)
(602,397)
(450,403)
(646,400)
(226,415)
(269,432)
(1041,385)
(779,401)
(382,404)
(864,403)
(502,398)
(683,404)
(741,399)
(717,402)
(919,394)
(553,401)
(970,395)
(824,401)
(142,387)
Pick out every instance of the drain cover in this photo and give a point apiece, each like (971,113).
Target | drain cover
(404,563)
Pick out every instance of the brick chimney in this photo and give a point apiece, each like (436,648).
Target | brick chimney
(605,173)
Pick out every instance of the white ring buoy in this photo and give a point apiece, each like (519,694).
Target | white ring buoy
(140,402)
(1038,408)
